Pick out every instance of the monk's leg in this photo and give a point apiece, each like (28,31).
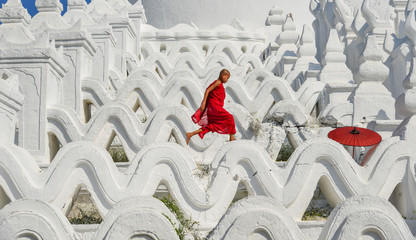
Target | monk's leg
(191,134)
(232,138)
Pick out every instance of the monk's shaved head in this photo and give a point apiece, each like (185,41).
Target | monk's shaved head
(225,72)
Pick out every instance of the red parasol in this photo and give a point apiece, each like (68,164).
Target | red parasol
(355,136)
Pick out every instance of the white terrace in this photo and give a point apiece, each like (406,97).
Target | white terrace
(129,75)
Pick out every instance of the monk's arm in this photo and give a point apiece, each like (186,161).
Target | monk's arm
(212,87)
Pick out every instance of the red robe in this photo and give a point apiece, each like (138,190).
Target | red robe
(215,118)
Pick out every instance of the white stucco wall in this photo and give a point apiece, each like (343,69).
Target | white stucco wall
(75,85)
(206,14)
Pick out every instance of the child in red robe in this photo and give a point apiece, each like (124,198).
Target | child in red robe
(211,116)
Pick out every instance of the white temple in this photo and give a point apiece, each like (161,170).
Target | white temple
(132,73)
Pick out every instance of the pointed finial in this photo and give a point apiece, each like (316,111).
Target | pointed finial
(307,35)
(288,34)
(371,68)
(334,44)
(289,23)
(372,51)
(335,69)
(307,47)
(275,16)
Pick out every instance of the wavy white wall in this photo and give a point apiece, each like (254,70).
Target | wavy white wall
(154,80)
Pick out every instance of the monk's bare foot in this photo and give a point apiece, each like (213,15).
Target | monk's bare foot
(188,137)
(232,138)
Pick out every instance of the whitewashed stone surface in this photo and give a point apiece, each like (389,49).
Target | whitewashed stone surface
(131,73)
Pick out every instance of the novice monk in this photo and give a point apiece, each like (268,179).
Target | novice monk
(211,116)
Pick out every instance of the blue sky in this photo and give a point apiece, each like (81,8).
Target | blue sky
(31,8)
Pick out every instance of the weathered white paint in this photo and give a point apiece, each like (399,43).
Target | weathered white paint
(72,85)
(209,14)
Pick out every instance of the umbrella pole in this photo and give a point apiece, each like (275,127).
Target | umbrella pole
(353,150)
